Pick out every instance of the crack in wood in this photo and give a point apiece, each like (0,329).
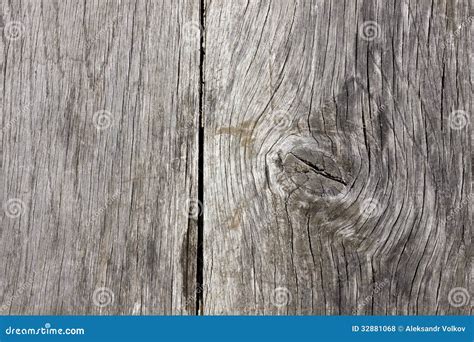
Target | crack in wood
(319,170)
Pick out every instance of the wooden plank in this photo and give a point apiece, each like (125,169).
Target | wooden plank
(99,120)
(337,157)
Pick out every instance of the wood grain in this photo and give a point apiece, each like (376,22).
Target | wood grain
(236,157)
(333,160)
(100,107)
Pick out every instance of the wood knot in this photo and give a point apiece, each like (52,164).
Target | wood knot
(310,170)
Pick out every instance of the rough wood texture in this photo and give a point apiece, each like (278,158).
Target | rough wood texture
(99,156)
(334,158)
(329,142)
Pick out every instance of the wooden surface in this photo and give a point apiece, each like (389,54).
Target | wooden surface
(236,157)
(101,208)
(331,167)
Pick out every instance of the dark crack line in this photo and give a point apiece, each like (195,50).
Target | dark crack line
(200,223)
(320,171)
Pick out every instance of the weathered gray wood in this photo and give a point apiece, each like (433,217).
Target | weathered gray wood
(100,108)
(338,172)
(337,157)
